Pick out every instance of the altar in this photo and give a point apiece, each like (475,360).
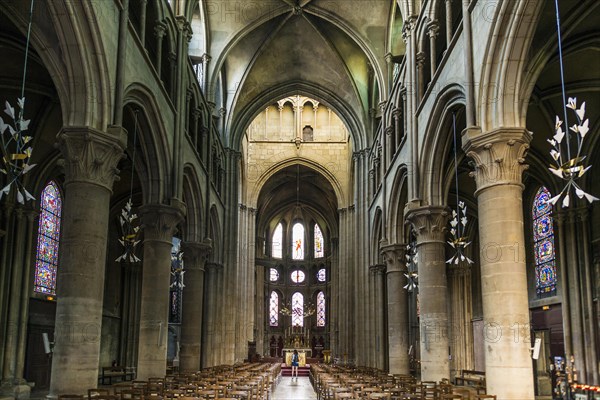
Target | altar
(302,354)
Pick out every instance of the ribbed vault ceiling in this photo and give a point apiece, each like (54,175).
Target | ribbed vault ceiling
(337,48)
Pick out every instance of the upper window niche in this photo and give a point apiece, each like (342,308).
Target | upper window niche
(46,259)
(299,118)
(276,248)
(543,242)
(273,275)
(298,242)
(319,250)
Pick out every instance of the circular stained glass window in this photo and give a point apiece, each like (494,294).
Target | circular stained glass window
(273,275)
(321,276)
(298,276)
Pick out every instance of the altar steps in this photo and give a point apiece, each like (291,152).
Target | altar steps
(302,371)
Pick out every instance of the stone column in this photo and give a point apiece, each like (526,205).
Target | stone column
(429,224)
(397,306)
(9,377)
(420,58)
(433,28)
(143,6)
(449,21)
(194,257)
(159,32)
(159,223)
(90,160)
(499,158)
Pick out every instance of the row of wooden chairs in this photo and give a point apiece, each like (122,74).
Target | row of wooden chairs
(346,382)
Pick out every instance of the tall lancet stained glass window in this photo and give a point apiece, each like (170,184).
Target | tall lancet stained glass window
(543,239)
(46,260)
(321,309)
(298,242)
(274,309)
(297,309)
(276,243)
(319,252)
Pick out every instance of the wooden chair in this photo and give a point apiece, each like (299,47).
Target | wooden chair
(93,393)
(70,397)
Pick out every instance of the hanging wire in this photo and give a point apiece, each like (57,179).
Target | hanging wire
(456,168)
(135,128)
(562,79)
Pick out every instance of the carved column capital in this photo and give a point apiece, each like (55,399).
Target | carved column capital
(377,269)
(159,221)
(433,28)
(195,254)
(429,223)
(160,29)
(91,155)
(421,57)
(499,155)
(394,257)
(408,27)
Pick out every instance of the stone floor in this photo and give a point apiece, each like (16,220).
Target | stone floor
(290,388)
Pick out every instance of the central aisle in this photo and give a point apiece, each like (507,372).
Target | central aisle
(294,389)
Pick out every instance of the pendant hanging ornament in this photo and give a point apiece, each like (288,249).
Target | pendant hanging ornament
(129,234)
(458,241)
(16,151)
(570,168)
(177,270)
(15,143)
(412,277)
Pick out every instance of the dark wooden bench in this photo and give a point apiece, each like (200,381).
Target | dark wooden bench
(123,373)
(472,378)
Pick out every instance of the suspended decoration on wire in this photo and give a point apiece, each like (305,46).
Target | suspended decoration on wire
(16,144)
(412,277)
(458,224)
(567,147)
(128,219)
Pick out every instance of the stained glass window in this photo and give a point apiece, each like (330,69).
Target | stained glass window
(273,275)
(543,242)
(276,248)
(177,285)
(46,260)
(297,309)
(298,276)
(274,309)
(321,309)
(321,275)
(298,241)
(319,251)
